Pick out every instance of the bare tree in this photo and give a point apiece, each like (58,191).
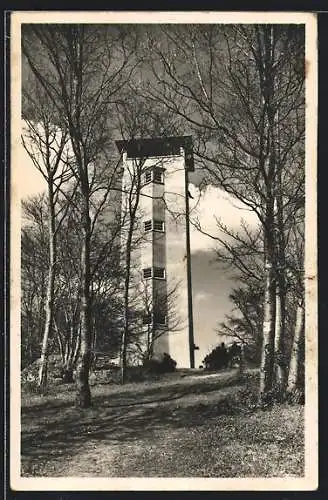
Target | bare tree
(68,291)
(82,68)
(34,267)
(154,315)
(105,281)
(133,186)
(228,83)
(46,144)
(244,322)
(295,266)
(241,253)
(296,365)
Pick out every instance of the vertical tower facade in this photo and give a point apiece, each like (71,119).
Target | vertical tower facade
(155,208)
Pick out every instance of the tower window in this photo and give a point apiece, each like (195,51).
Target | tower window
(158,175)
(159,272)
(147,272)
(158,225)
(148,176)
(154,174)
(147,225)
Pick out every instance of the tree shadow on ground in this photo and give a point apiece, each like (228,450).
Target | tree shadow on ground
(60,428)
(156,392)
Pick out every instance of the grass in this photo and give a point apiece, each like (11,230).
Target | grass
(177,427)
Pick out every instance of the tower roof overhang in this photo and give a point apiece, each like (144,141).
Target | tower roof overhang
(159,146)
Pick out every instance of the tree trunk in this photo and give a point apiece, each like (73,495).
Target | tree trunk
(295,378)
(49,307)
(60,344)
(269,306)
(242,364)
(280,375)
(76,352)
(268,331)
(148,342)
(125,334)
(280,355)
(132,208)
(83,367)
(67,374)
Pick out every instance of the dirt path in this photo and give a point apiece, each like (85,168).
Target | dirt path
(182,427)
(65,441)
(110,457)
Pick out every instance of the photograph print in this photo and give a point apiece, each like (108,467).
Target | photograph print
(163,255)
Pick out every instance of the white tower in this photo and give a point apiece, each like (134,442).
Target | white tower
(155,182)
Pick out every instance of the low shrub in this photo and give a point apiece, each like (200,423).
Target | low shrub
(160,366)
(296,397)
(247,399)
(31,372)
(30,386)
(242,401)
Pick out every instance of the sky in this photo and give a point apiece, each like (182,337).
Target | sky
(210,283)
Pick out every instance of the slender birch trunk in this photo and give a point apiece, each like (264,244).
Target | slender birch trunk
(83,368)
(269,152)
(49,306)
(295,381)
(60,345)
(280,375)
(242,364)
(280,364)
(68,365)
(269,310)
(76,353)
(125,334)
(133,203)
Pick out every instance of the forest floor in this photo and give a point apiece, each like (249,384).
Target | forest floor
(181,426)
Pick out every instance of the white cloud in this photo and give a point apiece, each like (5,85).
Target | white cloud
(26,179)
(210,204)
(201,296)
